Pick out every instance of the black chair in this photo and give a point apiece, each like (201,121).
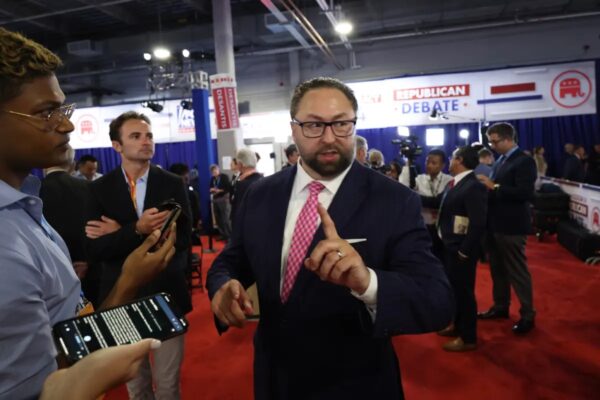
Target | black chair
(195,270)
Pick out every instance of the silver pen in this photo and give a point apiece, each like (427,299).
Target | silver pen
(352,241)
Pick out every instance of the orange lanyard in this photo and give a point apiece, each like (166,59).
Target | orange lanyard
(132,193)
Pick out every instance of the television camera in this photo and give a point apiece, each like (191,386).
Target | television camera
(409,147)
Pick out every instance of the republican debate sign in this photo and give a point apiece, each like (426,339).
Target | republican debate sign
(515,93)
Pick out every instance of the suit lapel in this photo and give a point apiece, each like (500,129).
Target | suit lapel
(450,193)
(346,203)
(121,196)
(505,166)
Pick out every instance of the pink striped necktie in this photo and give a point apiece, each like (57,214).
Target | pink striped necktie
(305,228)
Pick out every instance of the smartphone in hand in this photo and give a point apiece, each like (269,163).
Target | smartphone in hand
(149,317)
(174,212)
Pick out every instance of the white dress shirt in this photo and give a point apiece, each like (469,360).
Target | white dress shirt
(460,176)
(428,187)
(298,197)
(141,185)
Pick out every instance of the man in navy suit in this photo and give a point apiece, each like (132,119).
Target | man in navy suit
(365,274)
(461,223)
(574,169)
(511,188)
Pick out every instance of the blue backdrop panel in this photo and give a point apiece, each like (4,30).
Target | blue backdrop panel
(381,139)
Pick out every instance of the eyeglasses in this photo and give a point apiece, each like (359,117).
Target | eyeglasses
(315,129)
(52,119)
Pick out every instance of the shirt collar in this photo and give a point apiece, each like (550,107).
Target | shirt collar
(50,170)
(510,152)
(460,176)
(142,178)
(303,180)
(29,190)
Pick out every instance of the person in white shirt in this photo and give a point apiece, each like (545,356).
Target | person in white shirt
(430,184)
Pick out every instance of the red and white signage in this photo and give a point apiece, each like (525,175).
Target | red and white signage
(173,124)
(223,88)
(433,92)
(495,95)
(571,89)
(584,206)
(87,128)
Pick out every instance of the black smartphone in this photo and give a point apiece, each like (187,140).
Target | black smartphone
(174,212)
(149,317)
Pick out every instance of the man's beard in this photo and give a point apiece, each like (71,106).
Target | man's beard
(329,170)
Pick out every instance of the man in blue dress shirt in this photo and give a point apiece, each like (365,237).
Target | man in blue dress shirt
(38,286)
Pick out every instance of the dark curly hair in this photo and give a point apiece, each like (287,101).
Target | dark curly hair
(21,61)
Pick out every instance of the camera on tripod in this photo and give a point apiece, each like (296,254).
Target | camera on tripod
(409,147)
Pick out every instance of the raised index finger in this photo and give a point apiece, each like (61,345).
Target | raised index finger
(328,224)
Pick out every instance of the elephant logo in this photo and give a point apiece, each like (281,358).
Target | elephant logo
(571,89)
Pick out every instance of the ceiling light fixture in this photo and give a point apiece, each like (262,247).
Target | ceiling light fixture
(162,53)
(344,27)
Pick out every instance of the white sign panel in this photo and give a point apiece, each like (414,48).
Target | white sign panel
(274,125)
(516,93)
(172,124)
(584,205)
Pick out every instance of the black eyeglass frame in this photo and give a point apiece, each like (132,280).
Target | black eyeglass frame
(324,126)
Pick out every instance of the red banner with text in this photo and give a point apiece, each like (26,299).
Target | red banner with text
(223,88)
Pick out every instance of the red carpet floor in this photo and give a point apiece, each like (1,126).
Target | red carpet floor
(560,359)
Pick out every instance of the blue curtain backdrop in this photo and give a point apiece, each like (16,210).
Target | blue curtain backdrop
(551,133)
(381,139)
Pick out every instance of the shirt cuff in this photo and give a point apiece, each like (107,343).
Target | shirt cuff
(369,297)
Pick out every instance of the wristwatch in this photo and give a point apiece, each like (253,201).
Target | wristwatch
(496,186)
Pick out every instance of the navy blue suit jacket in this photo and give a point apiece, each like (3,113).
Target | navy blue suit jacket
(573,169)
(323,344)
(109,196)
(64,199)
(508,211)
(467,199)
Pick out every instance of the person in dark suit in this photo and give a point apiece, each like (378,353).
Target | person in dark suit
(122,211)
(248,175)
(511,188)
(331,294)
(574,169)
(183,171)
(220,190)
(461,223)
(593,172)
(64,198)
(291,153)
